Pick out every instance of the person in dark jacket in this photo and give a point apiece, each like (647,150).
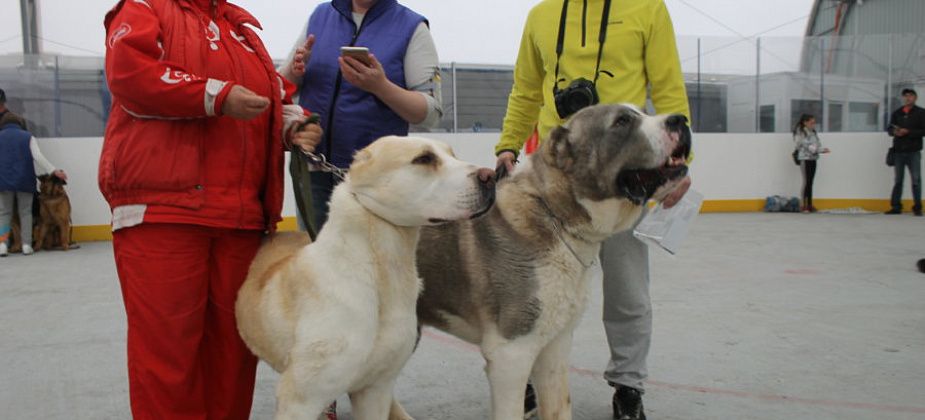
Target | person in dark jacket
(907,126)
(20,161)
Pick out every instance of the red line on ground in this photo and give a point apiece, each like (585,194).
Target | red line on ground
(454,342)
(449,340)
(802,271)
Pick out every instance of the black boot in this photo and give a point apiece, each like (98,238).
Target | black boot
(627,404)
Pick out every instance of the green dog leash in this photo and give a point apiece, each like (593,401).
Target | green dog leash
(301,182)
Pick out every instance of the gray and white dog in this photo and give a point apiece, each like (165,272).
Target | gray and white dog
(515,280)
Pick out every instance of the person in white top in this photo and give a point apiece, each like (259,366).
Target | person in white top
(20,161)
(808,148)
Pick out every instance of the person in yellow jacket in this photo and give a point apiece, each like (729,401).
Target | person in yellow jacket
(632,54)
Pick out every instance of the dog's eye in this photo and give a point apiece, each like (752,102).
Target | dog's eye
(623,120)
(426,158)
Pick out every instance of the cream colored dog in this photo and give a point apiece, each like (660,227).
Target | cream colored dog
(338,315)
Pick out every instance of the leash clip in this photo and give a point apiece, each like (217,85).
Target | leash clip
(320,163)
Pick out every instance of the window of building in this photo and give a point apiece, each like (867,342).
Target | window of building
(835,117)
(708,107)
(862,116)
(766,119)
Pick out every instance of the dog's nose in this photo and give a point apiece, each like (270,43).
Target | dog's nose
(676,121)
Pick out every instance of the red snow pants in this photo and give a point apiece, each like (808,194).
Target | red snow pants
(179,284)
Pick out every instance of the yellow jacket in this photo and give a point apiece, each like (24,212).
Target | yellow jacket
(639,51)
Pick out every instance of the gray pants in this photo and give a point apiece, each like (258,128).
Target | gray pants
(24,203)
(627,308)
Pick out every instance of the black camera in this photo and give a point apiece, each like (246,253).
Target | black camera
(579,94)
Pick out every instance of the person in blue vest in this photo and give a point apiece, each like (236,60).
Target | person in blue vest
(20,160)
(359,100)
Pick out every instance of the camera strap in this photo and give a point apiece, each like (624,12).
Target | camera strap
(602,36)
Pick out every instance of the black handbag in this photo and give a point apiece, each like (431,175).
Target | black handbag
(796,161)
(890,157)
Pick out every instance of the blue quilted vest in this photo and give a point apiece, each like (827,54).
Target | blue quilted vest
(351,117)
(17,172)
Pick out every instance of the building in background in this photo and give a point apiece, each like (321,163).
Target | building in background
(864,40)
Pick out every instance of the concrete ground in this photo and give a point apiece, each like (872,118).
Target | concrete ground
(760,316)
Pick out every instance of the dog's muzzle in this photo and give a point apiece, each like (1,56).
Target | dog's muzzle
(486,196)
(639,185)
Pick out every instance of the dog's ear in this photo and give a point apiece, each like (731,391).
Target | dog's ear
(360,159)
(361,156)
(559,152)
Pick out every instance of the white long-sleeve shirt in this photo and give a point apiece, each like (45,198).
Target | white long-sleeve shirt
(42,165)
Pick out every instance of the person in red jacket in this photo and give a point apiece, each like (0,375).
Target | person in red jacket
(192,167)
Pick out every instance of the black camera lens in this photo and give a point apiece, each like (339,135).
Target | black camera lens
(579,100)
(579,94)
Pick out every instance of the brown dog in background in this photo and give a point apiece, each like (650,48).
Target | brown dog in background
(53,229)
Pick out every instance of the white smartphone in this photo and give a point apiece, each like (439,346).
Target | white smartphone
(359,53)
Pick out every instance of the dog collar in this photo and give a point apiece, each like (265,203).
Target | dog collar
(557,228)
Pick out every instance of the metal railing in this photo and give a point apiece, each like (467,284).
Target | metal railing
(738,85)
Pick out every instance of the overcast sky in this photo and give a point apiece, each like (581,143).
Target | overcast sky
(467,31)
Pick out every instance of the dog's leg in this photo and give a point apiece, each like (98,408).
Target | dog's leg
(320,370)
(373,402)
(550,376)
(38,236)
(297,399)
(508,367)
(65,228)
(397,412)
(312,380)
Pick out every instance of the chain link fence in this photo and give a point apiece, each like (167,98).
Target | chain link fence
(737,85)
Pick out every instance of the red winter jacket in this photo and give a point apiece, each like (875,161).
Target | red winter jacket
(170,64)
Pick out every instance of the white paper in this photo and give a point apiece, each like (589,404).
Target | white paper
(667,228)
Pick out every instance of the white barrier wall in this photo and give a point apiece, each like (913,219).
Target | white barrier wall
(726,167)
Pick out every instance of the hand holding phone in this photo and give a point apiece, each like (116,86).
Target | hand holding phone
(364,71)
(359,53)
